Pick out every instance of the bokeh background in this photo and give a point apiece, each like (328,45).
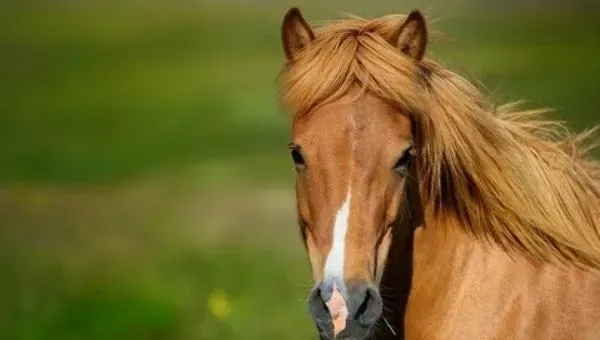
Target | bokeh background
(145,185)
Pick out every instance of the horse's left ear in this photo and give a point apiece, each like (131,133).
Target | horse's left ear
(411,36)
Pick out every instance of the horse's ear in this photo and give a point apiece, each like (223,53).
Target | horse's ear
(411,36)
(296,34)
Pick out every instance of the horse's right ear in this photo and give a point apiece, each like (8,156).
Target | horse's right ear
(296,34)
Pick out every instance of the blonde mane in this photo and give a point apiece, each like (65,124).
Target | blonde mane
(508,176)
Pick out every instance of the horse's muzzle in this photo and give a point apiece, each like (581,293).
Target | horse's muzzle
(361,307)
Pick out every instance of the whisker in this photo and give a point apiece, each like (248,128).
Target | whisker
(389,325)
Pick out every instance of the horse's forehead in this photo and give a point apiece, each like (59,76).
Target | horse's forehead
(366,120)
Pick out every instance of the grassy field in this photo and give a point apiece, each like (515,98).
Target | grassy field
(145,188)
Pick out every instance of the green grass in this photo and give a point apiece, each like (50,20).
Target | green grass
(169,302)
(143,159)
(89,101)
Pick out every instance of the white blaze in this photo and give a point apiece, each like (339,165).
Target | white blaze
(334,265)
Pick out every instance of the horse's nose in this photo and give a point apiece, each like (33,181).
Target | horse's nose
(347,310)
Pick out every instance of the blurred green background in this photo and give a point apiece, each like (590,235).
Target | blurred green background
(145,186)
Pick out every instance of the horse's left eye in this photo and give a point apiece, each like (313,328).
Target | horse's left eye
(404,161)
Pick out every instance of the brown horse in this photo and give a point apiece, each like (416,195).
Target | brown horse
(426,211)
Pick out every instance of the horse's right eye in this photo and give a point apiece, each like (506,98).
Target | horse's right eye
(297,157)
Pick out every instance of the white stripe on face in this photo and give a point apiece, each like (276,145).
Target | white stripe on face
(334,265)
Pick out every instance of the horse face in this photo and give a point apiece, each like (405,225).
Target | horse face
(352,160)
(352,157)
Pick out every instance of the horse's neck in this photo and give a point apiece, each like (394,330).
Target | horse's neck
(463,289)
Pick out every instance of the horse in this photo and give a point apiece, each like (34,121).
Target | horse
(426,210)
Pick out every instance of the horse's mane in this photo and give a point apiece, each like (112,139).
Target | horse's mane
(508,176)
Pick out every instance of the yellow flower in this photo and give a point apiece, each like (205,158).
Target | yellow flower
(219,304)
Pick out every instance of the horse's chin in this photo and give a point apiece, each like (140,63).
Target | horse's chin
(355,331)
(352,330)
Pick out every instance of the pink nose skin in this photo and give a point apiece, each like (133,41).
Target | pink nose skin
(338,310)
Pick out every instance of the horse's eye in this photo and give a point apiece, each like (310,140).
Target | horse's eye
(404,161)
(297,157)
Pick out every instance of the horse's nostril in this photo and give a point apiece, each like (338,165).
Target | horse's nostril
(317,307)
(321,300)
(367,305)
(320,313)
